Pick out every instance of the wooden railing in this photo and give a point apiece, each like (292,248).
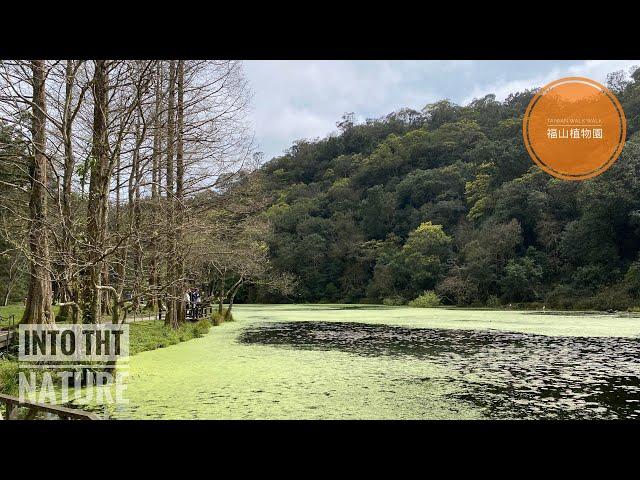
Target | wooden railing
(10,320)
(203,310)
(194,312)
(13,404)
(7,332)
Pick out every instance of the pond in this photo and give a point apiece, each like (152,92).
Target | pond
(344,361)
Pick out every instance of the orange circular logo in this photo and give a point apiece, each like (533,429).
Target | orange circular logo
(574,128)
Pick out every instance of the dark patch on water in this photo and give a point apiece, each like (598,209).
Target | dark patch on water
(511,375)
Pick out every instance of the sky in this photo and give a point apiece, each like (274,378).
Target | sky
(303,99)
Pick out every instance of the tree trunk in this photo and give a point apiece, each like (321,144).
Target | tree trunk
(115,299)
(221,296)
(98,190)
(227,314)
(69,163)
(232,295)
(172,306)
(121,253)
(77,312)
(137,216)
(180,192)
(39,297)
(154,279)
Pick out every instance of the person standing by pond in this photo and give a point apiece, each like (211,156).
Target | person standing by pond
(197,300)
(187,302)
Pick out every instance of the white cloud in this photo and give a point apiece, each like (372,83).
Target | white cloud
(594,69)
(305,99)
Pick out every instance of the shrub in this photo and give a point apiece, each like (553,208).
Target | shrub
(493,302)
(457,290)
(62,317)
(9,377)
(218,318)
(614,297)
(527,306)
(201,327)
(427,300)
(562,297)
(394,301)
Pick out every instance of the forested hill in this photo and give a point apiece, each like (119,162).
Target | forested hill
(447,199)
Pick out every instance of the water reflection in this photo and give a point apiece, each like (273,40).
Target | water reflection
(510,375)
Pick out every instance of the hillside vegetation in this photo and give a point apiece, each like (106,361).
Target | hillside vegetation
(447,200)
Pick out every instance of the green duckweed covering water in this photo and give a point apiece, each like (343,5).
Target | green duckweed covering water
(237,371)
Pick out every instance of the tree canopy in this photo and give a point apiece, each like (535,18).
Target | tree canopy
(447,199)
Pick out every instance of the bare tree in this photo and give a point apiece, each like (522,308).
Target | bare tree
(98,191)
(40,296)
(141,156)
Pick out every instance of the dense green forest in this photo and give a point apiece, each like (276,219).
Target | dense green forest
(447,200)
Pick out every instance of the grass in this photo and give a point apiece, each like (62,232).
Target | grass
(150,335)
(143,336)
(9,377)
(16,309)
